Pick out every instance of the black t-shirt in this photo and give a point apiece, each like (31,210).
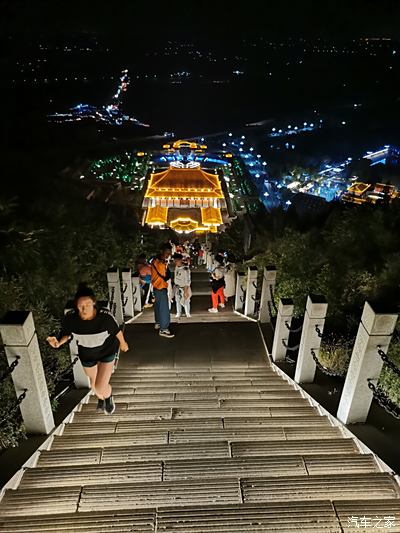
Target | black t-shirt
(95,338)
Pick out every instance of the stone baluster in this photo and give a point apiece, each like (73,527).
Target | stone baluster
(251,291)
(282,329)
(17,330)
(136,294)
(114,290)
(313,325)
(127,294)
(374,333)
(267,291)
(240,291)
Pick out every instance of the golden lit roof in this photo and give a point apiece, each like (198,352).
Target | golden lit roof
(184,183)
(211,216)
(184,224)
(157,215)
(185,144)
(359,188)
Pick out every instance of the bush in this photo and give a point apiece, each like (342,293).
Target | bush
(389,381)
(335,354)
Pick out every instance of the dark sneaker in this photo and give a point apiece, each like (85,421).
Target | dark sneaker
(109,407)
(166,333)
(100,406)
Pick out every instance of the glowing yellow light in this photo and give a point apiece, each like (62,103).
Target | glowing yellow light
(140,154)
(157,215)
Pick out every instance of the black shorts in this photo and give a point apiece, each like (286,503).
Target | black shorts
(105,359)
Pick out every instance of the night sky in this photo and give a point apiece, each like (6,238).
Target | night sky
(125,20)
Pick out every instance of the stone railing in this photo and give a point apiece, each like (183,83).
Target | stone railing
(17,330)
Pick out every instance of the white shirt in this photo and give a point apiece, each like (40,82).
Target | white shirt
(182,276)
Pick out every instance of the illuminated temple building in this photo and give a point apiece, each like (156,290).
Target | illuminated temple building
(185,197)
(360,193)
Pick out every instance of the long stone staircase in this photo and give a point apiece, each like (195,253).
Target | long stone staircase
(225,446)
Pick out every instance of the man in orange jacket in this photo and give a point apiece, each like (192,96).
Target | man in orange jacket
(160,275)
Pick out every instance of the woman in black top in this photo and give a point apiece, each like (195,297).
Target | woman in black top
(98,337)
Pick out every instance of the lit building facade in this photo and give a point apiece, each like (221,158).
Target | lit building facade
(185,197)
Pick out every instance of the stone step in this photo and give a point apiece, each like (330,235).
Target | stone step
(307,517)
(286,417)
(206,383)
(195,375)
(139,521)
(185,388)
(280,390)
(99,441)
(193,450)
(70,456)
(287,465)
(205,404)
(301,447)
(132,405)
(28,502)
(229,423)
(159,370)
(100,474)
(124,454)
(242,412)
(88,413)
(83,421)
(333,486)
(313,516)
(217,404)
(179,469)
(183,451)
(156,494)
(100,428)
(367,515)
(256,434)
(135,434)
(198,492)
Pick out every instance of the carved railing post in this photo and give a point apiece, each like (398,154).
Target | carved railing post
(240,292)
(136,294)
(114,291)
(313,325)
(282,329)
(267,291)
(374,333)
(17,330)
(127,294)
(251,291)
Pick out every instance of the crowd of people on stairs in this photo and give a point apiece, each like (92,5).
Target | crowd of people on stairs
(98,337)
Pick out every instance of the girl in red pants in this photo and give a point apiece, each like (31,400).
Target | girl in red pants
(217,285)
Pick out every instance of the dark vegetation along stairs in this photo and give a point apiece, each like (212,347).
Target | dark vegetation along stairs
(224,447)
